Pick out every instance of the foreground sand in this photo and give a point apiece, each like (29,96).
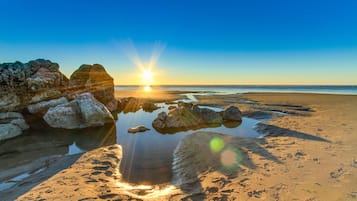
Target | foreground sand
(316,148)
(310,154)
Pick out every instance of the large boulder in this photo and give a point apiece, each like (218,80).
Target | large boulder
(185,117)
(84,111)
(12,124)
(94,79)
(32,82)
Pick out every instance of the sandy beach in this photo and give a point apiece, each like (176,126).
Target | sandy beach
(178,100)
(309,153)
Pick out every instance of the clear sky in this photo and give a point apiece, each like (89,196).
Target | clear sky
(194,42)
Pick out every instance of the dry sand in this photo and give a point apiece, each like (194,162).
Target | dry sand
(316,147)
(310,154)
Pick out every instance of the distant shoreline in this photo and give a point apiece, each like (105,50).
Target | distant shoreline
(234,89)
(239,85)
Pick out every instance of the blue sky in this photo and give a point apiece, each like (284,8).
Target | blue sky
(202,42)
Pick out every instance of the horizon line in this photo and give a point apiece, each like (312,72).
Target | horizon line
(187,85)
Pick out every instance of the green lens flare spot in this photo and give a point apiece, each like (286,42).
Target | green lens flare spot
(216,144)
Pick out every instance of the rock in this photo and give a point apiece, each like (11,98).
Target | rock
(129,104)
(210,117)
(44,78)
(93,112)
(12,124)
(93,79)
(64,116)
(21,123)
(136,129)
(171,107)
(42,107)
(9,102)
(149,107)
(9,131)
(45,95)
(112,105)
(32,82)
(6,116)
(232,113)
(84,111)
(185,117)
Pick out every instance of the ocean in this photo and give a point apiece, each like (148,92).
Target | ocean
(234,89)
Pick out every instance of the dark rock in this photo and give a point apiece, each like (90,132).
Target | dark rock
(232,113)
(129,104)
(149,107)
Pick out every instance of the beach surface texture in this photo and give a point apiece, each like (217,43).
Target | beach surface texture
(308,153)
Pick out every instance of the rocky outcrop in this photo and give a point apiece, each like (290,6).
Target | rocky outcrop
(12,124)
(94,79)
(84,111)
(185,117)
(25,83)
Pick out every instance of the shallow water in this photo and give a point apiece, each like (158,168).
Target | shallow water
(147,156)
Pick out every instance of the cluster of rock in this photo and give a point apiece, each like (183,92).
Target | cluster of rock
(38,87)
(187,116)
(25,83)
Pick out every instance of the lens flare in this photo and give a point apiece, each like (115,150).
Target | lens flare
(145,69)
(231,158)
(216,144)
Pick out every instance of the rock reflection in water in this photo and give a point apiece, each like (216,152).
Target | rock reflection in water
(45,142)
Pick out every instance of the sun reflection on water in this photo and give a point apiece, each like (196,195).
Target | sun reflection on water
(146,191)
(147,88)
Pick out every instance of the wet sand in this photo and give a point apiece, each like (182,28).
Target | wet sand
(309,153)
(154,95)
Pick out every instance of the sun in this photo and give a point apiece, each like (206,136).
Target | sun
(147,77)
